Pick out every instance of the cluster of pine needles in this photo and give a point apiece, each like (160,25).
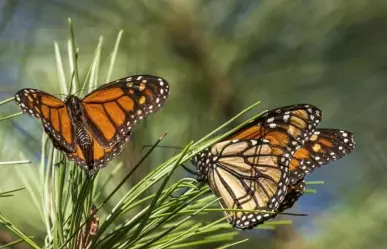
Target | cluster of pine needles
(70,203)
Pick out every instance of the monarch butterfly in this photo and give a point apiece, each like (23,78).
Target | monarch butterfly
(250,168)
(94,129)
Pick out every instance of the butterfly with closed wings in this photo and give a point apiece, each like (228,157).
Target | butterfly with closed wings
(92,130)
(250,168)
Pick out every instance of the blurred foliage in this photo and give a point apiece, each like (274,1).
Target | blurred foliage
(219,57)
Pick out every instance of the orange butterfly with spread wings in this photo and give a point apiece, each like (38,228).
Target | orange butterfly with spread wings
(92,130)
(250,168)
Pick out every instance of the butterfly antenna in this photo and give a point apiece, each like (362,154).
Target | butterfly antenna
(71,82)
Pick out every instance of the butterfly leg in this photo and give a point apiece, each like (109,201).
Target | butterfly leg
(61,162)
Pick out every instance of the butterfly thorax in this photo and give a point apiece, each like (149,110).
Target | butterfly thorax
(203,161)
(82,137)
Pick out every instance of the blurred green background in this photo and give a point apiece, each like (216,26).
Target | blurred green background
(219,57)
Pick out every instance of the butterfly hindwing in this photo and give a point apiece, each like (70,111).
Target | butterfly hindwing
(102,156)
(246,174)
(324,146)
(294,192)
(53,114)
(115,108)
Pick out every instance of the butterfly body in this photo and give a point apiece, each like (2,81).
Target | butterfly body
(94,129)
(80,127)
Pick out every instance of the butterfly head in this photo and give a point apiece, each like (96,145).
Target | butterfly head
(74,106)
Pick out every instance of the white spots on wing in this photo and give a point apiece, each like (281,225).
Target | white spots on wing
(272,125)
(139,78)
(269,120)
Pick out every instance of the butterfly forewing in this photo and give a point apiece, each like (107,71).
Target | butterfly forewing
(324,146)
(114,109)
(249,175)
(287,127)
(53,114)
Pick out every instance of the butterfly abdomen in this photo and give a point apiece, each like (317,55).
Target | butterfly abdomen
(86,144)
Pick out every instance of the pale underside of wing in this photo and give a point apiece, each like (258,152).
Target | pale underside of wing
(248,175)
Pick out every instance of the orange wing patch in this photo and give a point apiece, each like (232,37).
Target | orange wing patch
(115,113)
(126,103)
(66,125)
(98,116)
(104,95)
(51,101)
(300,154)
(55,119)
(99,151)
(45,111)
(254,132)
